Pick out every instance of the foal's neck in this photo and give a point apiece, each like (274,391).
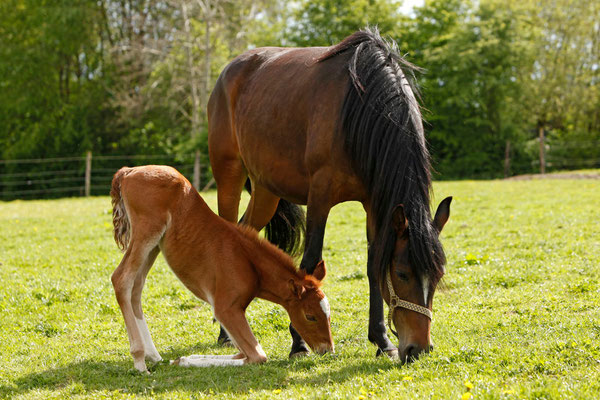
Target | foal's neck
(275,270)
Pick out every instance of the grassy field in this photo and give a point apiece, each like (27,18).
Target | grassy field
(518,316)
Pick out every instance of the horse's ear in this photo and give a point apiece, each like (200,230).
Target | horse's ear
(442,214)
(320,271)
(296,288)
(399,219)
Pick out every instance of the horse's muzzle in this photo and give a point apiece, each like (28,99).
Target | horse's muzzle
(412,352)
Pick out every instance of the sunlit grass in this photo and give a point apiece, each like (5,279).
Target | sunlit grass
(518,316)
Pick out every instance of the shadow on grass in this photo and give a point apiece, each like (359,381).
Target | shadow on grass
(120,376)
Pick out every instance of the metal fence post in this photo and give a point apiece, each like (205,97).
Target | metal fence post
(88,173)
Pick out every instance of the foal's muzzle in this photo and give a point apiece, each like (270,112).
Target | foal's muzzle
(324,348)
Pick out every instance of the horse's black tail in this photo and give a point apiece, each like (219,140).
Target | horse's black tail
(287,228)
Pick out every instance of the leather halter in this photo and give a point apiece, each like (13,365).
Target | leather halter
(396,302)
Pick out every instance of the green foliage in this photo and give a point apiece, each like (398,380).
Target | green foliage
(516,317)
(471,56)
(325,22)
(119,77)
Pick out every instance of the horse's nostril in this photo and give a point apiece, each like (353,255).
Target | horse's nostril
(412,352)
(430,348)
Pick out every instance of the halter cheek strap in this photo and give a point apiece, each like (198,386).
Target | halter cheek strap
(396,302)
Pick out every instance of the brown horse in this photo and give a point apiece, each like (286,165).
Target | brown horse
(155,208)
(324,125)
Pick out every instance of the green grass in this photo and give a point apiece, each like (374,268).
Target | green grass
(518,316)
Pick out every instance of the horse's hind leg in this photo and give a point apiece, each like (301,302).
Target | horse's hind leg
(261,208)
(136,301)
(230,175)
(123,279)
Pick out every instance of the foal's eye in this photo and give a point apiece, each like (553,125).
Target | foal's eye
(402,276)
(311,318)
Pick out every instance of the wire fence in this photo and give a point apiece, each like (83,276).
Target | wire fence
(86,175)
(92,174)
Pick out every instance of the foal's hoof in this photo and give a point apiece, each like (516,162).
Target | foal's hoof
(391,353)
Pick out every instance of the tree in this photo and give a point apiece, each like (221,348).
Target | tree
(325,22)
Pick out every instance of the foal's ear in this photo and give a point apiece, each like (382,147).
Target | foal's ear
(320,271)
(296,288)
(399,220)
(442,214)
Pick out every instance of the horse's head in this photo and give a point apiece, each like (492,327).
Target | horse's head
(409,289)
(308,309)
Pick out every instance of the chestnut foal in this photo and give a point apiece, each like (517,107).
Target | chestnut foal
(155,208)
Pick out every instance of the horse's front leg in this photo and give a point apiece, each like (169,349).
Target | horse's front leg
(317,211)
(377,331)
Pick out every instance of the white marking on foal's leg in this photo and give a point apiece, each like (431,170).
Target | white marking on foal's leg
(215,356)
(206,361)
(149,349)
(426,289)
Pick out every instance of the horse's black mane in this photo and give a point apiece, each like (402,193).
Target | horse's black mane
(383,134)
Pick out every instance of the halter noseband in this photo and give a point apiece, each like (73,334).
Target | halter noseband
(396,302)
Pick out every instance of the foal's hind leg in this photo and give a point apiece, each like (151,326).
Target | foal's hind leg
(123,279)
(136,299)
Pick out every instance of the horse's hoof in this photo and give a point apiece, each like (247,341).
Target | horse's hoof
(391,353)
(298,354)
(225,342)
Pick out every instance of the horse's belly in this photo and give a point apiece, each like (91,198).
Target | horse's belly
(284,175)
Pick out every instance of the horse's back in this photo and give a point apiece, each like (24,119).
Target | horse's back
(276,109)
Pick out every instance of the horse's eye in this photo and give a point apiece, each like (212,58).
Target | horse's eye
(402,276)
(311,318)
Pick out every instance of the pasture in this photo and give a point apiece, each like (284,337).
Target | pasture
(518,315)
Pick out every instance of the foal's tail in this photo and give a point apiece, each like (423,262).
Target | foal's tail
(122,227)
(287,228)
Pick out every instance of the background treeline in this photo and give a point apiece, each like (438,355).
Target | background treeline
(133,76)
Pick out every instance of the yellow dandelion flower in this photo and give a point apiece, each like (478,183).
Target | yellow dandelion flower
(466,396)
(361,397)
(407,378)
(468,385)
(276,391)
(508,392)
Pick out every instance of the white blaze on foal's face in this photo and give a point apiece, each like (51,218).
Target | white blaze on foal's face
(325,306)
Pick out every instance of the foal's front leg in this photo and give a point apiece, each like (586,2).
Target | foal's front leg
(234,321)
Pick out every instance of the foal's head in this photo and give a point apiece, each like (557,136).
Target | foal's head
(412,287)
(308,309)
